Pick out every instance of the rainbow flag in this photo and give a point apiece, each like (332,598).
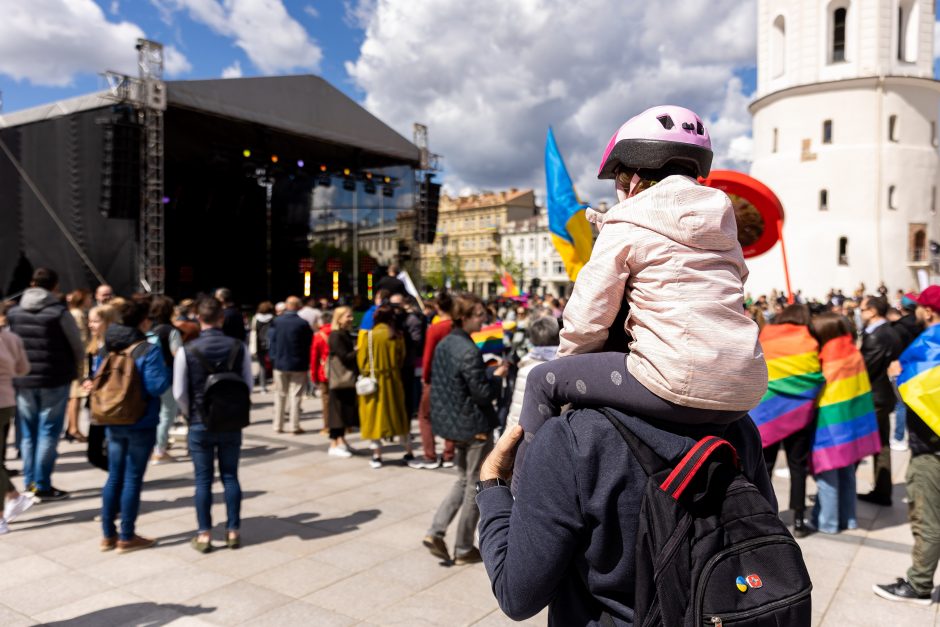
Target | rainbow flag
(919,382)
(489,339)
(846,427)
(509,286)
(794,382)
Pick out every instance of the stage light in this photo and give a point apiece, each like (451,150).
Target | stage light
(369,175)
(273,158)
(166,200)
(306,284)
(349,183)
(246,153)
(345,171)
(369,186)
(300,163)
(335,285)
(387,180)
(388,191)
(323,180)
(322,168)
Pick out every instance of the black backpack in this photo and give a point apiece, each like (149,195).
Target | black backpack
(226,404)
(710,550)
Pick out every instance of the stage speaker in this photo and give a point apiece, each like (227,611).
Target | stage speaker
(427,201)
(120,166)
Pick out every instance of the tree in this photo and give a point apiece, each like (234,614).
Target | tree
(448,269)
(508,263)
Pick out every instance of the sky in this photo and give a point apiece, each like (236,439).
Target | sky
(487,77)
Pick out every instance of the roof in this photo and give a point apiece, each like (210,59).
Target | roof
(303,105)
(489,199)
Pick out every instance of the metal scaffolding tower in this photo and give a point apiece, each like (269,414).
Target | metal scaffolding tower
(147,94)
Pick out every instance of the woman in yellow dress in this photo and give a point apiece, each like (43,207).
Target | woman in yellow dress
(382,414)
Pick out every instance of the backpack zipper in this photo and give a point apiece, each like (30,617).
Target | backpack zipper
(735,616)
(737,548)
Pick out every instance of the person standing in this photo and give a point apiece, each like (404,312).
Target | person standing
(54,347)
(260,325)
(103,294)
(436,332)
(189,383)
(881,345)
(13,363)
(543,336)
(99,319)
(163,334)
(923,472)
(78,304)
(234,325)
(185,321)
(462,410)
(382,413)
(342,409)
(289,342)
(130,445)
(319,354)
(391,282)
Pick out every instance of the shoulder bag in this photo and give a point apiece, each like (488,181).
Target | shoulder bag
(366,386)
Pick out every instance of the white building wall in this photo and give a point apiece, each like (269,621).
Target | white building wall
(862,162)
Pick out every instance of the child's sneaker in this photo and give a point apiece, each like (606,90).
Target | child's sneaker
(16,506)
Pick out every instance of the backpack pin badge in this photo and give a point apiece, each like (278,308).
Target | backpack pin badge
(741,583)
(754,581)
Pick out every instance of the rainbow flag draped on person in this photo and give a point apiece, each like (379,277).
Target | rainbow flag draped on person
(795,380)
(919,381)
(489,339)
(570,230)
(846,427)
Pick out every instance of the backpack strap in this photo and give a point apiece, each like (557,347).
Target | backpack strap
(694,460)
(137,350)
(648,459)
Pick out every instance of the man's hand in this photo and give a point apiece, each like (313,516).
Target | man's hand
(498,463)
(502,369)
(894,369)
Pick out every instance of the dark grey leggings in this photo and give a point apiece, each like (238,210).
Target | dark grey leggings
(599,380)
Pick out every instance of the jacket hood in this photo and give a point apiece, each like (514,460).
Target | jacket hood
(682,210)
(262,318)
(37,298)
(118,337)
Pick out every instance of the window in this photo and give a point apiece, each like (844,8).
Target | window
(774,149)
(843,251)
(908,19)
(893,128)
(827,132)
(933,134)
(823,200)
(933,199)
(891,199)
(838,35)
(778,39)
(918,243)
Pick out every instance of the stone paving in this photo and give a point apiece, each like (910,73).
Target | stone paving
(330,541)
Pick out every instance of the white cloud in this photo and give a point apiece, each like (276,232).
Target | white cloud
(46,42)
(115,7)
(233,71)
(273,40)
(175,62)
(488,78)
(311,11)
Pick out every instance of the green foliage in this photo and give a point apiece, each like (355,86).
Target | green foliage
(448,268)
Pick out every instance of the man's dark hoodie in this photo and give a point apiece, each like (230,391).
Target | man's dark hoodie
(51,338)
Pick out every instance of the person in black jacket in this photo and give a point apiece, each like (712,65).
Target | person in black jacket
(343,406)
(289,344)
(462,410)
(880,346)
(391,282)
(54,348)
(234,323)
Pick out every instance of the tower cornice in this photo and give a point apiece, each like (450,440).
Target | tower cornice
(847,83)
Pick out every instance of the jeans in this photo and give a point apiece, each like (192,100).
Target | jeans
(204,445)
(168,409)
(41,414)
(900,421)
(835,500)
(128,452)
(462,496)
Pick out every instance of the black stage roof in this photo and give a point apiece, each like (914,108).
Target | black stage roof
(215,227)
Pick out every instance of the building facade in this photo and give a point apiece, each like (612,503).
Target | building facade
(529,244)
(469,229)
(845,133)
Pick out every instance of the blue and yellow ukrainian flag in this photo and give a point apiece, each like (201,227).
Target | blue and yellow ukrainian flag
(919,382)
(571,232)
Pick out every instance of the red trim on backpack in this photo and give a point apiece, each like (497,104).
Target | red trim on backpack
(681,465)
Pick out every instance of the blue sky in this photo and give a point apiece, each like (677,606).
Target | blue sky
(209,52)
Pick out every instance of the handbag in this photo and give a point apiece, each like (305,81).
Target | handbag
(339,377)
(366,386)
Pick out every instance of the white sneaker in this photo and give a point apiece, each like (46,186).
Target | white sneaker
(783,473)
(898,445)
(15,507)
(339,451)
(3,527)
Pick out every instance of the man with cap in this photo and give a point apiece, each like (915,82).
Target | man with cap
(923,472)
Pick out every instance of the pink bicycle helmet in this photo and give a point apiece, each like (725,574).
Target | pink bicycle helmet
(659,136)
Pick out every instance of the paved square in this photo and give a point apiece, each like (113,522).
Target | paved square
(332,542)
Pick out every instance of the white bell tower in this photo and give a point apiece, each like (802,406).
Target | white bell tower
(845,133)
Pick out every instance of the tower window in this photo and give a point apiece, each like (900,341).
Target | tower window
(891,199)
(774,149)
(843,251)
(908,19)
(933,199)
(827,132)
(917,243)
(778,39)
(893,128)
(933,134)
(824,200)
(838,34)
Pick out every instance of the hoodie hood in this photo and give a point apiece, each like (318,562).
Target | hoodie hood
(118,337)
(37,298)
(682,210)
(263,318)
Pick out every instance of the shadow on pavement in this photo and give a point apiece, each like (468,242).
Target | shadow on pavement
(137,614)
